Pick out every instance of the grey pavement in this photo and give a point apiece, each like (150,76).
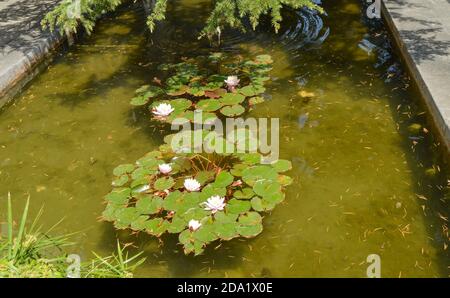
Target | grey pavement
(23,44)
(422,30)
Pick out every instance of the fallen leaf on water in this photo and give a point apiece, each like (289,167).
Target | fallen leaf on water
(304,94)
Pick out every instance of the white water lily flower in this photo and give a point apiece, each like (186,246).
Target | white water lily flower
(232,82)
(191,184)
(163,110)
(165,168)
(214,204)
(194,225)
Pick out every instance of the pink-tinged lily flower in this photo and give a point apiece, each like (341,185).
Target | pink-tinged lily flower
(194,225)
(232,82)
(163,110)
(191,185)
(165,168)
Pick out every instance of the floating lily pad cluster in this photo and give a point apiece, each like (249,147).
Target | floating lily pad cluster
(202,197)
(191,85)
(198,196)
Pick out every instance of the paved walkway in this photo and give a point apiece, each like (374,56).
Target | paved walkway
(22,42)
(422,29)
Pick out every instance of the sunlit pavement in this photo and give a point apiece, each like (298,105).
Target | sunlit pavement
(422,29)
(22,41)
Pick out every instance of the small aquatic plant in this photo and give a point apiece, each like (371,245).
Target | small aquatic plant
(191,85)
(205,197)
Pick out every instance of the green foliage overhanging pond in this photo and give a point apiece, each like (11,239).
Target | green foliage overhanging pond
(367,176)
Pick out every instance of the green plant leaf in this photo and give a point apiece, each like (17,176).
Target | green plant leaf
(259,172)
(164,183)
(110,210)
(245,193)
(177,225)
(126,216)
(249,231)
(223,179)
(118,196)
(232,111)
(149,204)
(264,187)
(238,206)
(225,231)
(232,98)
(204,176)
(139,223)
(156,226)
(284,180)
(262,205)
(282,165)
(209,105)
(123,169)
(256,100)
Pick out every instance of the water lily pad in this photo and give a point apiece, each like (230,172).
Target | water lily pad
(204,176)
(126,216)
(250,218)
(261,205)
(120,181)
(215,92)
(225,231)
(205,233)
(139,185)
(232,111)
(250,158)
(232,98)
(177,225)
(237,170)
(177,90)
(249,231)
(139,100)
(274,198)
(173,201)
(118,195)
(259,172)
(252,90)
(149,204)
(284,180)
(156,226)
(264,187)
(144,94)
(123,169)
(211,190)
(208,105)
(164,183)
(256,100)
(245,193)
(180,104)
(142,173)
(148,162)
(109,212)
(139,223)
(264,59)
(223,179)
(282,165)
(238,206)
(185,237)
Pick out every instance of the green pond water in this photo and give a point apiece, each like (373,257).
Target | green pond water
(366,182)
